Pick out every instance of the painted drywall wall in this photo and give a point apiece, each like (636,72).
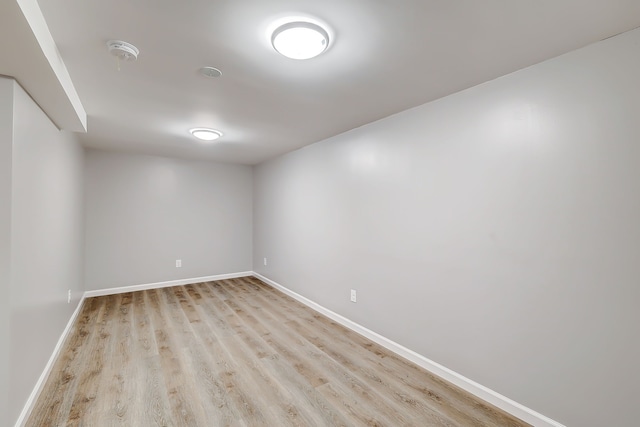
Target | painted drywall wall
(6,136)
(143,213)
(46,241)
(494,231)
(40,242)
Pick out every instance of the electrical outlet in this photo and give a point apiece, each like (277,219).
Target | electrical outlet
(178,263)
(353,295)
(265,261)
(69,297)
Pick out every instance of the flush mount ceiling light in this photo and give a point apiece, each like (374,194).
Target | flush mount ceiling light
(300,40)
(206,134)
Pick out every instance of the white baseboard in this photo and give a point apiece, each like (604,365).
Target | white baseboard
(157,285)
(26,410)
(496,399)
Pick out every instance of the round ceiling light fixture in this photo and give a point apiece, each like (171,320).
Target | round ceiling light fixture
(205,134)
(300,40)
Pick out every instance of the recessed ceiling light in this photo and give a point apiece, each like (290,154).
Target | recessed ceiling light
(206,134)
(300,40)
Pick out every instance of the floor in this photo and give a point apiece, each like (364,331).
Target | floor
(237,353)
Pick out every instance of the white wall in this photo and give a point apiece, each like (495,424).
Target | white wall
(45,240)
(143,213)
(494,231)
(6,132)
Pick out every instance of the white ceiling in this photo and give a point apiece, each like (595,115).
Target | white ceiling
(385,56)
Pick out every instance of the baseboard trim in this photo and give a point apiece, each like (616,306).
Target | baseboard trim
(26,410)
(514,408)
(158,285)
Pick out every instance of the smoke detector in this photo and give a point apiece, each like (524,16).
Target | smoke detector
(210,72)
(123,50)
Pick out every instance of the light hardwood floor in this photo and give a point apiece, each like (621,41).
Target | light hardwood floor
(237,353)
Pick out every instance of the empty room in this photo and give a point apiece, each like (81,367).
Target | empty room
(305,213)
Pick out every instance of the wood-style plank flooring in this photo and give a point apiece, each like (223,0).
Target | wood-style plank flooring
(237,353)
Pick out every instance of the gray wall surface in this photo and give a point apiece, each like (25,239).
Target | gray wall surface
(143,213)
(494,231)
(46,242)
(6,146)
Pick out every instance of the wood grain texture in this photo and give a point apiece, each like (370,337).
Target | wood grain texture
(237,353)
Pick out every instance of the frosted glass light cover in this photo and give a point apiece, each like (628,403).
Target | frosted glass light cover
(300,40)
(205,134)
